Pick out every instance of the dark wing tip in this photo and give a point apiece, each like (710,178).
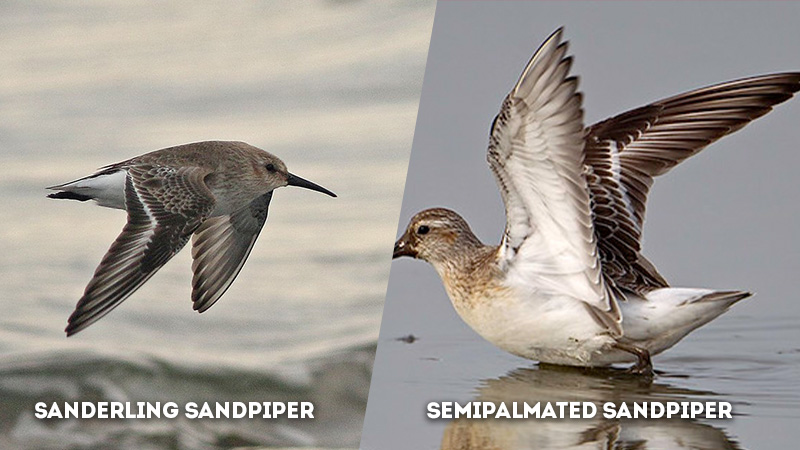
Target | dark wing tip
(204,298)
(82,317)
(202,305)
(72,330)
(78,321)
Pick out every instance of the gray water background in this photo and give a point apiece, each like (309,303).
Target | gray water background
(727,218)
(331,87)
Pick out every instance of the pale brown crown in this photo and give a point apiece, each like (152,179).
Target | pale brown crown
(437,235)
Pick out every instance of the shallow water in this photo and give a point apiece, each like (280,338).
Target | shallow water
(755,370)
(330,87)
(726,219)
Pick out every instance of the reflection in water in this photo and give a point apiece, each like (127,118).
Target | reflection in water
(562,384)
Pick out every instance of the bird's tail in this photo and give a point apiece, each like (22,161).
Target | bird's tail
(69,196)
(664,316)
(106,187)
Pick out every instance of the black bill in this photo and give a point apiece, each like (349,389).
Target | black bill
(294,180)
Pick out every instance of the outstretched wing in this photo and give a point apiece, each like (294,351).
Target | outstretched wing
(165,205)
(220,247)
(537,156)
(626,152)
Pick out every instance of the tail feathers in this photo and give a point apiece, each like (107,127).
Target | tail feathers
(666,315)
(107,188)
(70,196)
(79,183)
(730,297)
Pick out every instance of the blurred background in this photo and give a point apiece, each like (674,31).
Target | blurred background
(331,87)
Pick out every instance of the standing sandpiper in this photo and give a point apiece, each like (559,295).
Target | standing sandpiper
(568,284)
(216,191)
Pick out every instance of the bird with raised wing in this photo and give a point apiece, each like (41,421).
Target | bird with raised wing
(568,283)
(215,192)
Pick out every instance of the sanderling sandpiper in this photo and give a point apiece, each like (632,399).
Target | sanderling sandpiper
(568,283)
(216,191)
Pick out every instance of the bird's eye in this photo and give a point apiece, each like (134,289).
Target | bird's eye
(270,167)
(423,229)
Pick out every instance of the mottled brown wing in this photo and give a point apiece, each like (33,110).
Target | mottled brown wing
(626,152)
(220,248)
(165,206)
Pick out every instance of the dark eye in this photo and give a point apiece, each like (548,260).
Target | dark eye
(270,167)
(423,229)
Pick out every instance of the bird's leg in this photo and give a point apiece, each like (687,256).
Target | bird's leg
(643,364)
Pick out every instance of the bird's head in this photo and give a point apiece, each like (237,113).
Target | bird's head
(276,175)
(436,235)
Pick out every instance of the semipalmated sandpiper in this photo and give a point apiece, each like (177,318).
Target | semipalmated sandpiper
(568,284)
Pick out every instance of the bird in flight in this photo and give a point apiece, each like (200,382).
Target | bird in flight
(215,192)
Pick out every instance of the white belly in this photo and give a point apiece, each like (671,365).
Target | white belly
(550,330)
(559,330)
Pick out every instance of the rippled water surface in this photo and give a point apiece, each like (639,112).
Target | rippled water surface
(331,87)
(752,364)
(725,219)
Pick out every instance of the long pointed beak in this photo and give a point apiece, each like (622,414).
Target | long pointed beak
(294,180)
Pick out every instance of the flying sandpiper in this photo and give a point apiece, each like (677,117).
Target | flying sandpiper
(215,192)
